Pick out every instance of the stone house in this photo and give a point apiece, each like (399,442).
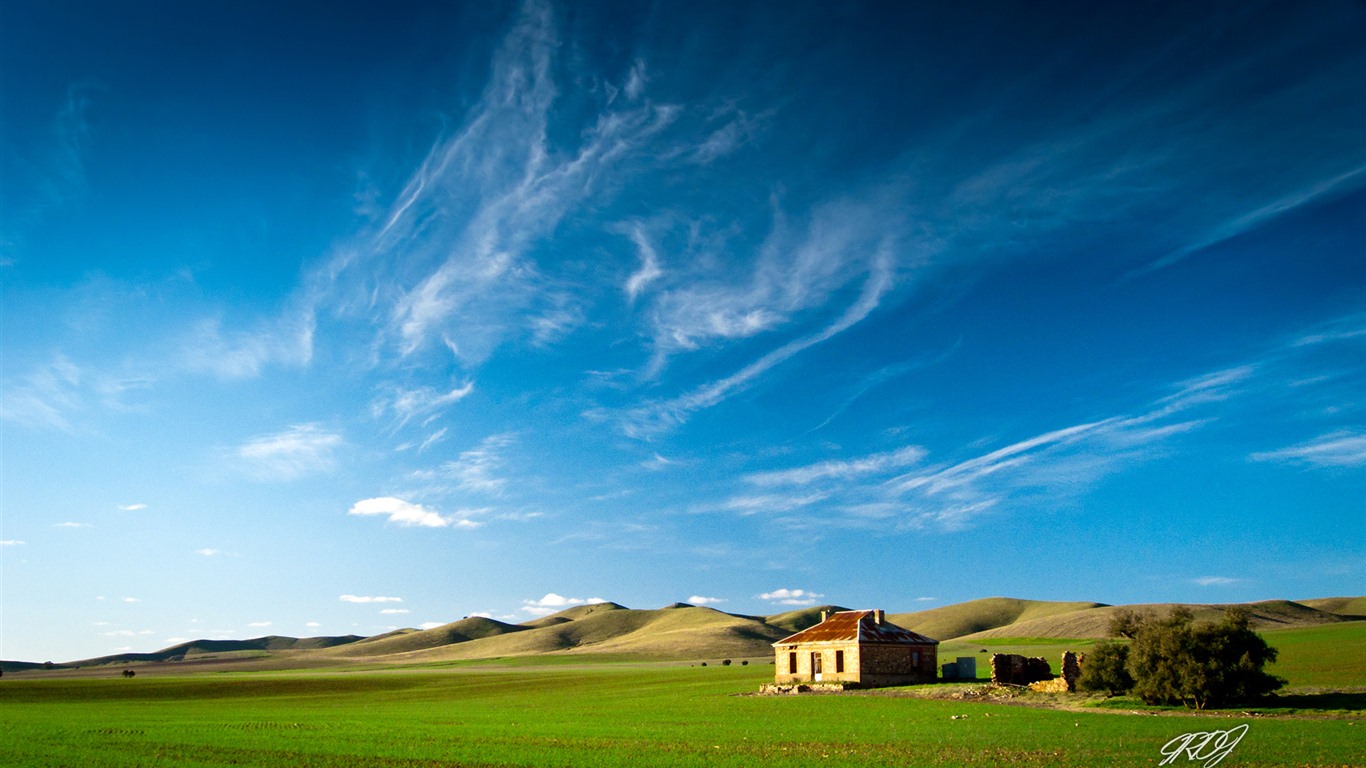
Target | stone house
(858,648)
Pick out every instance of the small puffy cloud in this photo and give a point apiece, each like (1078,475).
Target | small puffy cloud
(11,543)
(926,599)
(408,514)
(312,625)
(132,507)
(369,599)
(73,525)
(430,625)
(259,624)
(1215,581)
(303,449)
(553,602)
(394,611)
(207,552)
(791,597)
(132,599)
(700,600)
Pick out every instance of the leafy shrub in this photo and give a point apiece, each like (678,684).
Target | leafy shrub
(1174,660)
(1105,669)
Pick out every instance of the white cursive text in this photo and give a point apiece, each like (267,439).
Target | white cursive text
(1210,746)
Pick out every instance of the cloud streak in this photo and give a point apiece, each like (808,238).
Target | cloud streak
(301,450)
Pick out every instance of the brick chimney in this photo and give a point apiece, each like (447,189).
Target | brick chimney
(878,617)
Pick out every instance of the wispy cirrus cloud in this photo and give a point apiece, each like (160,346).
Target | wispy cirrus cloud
(1336,449)
(904,489)
(301,450)
(239,354)
(52,395)
(660,416)
(476,470)
(841,470)
(405,405)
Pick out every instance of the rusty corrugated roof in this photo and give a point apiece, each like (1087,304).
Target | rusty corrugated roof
(860,626)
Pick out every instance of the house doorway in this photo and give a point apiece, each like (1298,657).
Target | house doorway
(816,667)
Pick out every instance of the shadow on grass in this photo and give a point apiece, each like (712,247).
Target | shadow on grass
(1325,700)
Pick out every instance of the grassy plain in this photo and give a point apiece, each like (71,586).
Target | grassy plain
(587,715)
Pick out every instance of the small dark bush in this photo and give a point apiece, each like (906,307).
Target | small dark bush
(726,663)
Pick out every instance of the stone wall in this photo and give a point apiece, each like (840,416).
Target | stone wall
(1014,669)
(1067,682)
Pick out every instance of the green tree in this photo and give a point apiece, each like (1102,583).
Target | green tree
(1105,669)
(1174,660)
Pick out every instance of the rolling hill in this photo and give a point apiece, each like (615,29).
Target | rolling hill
(685,632)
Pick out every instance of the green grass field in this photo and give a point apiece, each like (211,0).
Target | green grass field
(587,715)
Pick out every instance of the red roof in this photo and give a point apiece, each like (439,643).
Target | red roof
(857,626)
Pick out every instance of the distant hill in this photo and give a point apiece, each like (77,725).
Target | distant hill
(981,615)
(1095,621)
(1346,607)
(682,632)
(409,641)
(196,648)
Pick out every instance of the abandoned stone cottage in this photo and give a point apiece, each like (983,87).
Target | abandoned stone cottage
(858,647)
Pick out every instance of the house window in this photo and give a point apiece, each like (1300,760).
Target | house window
(792,663)
(839,661)
(915,658)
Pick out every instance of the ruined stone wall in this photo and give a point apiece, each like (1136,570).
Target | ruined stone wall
(1014,669)
(1065,683)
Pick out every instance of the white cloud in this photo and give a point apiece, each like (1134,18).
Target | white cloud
(552,603)
(791,597)
(132,599)
(419,403)
(771,503)
(312,625)
(430,625)
(132,507)
(477,469)
(286,340)
(700,600)
(842,470)
(206,552)
(11,543)
(73,525)
(258,624)
(303,449)
(369,599)
(394,611)
(649,265)
(408,514)
(1337,449)
(661,416)
(1215,581)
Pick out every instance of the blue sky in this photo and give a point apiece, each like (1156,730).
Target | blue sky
(327,321)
